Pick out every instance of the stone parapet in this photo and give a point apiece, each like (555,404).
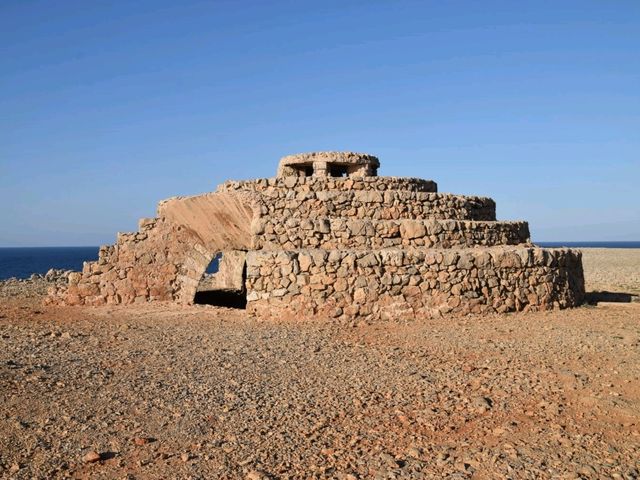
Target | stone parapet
(377,205)
(410,283)
(140,267)
(277,233)
(319,184)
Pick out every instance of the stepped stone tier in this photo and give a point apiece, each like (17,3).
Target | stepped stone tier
(327,237)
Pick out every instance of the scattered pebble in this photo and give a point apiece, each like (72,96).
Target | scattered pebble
(237,397)
(92,457)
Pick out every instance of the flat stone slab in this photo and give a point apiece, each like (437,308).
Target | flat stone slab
(323,164)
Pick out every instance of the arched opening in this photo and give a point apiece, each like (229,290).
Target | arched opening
(223,282)
(211,222)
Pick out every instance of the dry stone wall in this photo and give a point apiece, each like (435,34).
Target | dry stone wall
(376,205)
(358,246)
(140,267)
(333,233)
(412,282)
(161,262)
(166,259)
(321,184)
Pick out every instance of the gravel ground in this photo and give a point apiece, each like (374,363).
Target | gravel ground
(200,392)
(615,270)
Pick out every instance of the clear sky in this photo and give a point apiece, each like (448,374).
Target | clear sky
(108,107)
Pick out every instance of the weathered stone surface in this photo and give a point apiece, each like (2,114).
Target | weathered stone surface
(332,233)
(312,243)
(412,229)
(323,164)
(466,281)
(217,219)
(273,186)
(230,274)
(370,203)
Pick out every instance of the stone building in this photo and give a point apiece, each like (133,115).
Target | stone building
(328,237)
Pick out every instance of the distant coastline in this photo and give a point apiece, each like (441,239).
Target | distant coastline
(22,262)
(589,244)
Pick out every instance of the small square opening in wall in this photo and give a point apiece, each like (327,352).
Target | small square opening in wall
(338,171)
(303,170)
(218,287)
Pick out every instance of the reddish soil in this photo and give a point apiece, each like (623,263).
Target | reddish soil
(159,391)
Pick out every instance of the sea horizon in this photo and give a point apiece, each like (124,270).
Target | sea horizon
(22,262)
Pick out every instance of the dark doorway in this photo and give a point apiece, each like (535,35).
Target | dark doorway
(338,170)
(593,298)
(223,283)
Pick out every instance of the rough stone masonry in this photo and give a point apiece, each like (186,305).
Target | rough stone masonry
(328,237)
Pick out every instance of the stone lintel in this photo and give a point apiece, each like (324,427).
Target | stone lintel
(329,164)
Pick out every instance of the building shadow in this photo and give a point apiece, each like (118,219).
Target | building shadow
(593,298)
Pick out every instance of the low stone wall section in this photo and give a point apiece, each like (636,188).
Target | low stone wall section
(319,184)
(412,283)
(378,205)
(161,261)
(339,233)
(167,257)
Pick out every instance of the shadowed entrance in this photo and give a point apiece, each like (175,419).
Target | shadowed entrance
(221,298)
(223,283)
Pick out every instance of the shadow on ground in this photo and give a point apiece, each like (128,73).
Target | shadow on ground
(593,298)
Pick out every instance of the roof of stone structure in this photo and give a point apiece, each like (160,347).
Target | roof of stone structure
(335,157)
(351,158)
(332,164)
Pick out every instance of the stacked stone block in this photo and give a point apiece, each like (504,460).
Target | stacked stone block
(395,283)
(317,245)
(373,204)
(274,233)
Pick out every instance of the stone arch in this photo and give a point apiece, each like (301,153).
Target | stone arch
(166,258)
(207,224)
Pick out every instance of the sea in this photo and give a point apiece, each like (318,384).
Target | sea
(22,262)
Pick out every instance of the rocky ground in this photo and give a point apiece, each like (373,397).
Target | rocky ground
(612,270)
(36,286)
(203,392)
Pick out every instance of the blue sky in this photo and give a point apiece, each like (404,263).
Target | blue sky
(108,107)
